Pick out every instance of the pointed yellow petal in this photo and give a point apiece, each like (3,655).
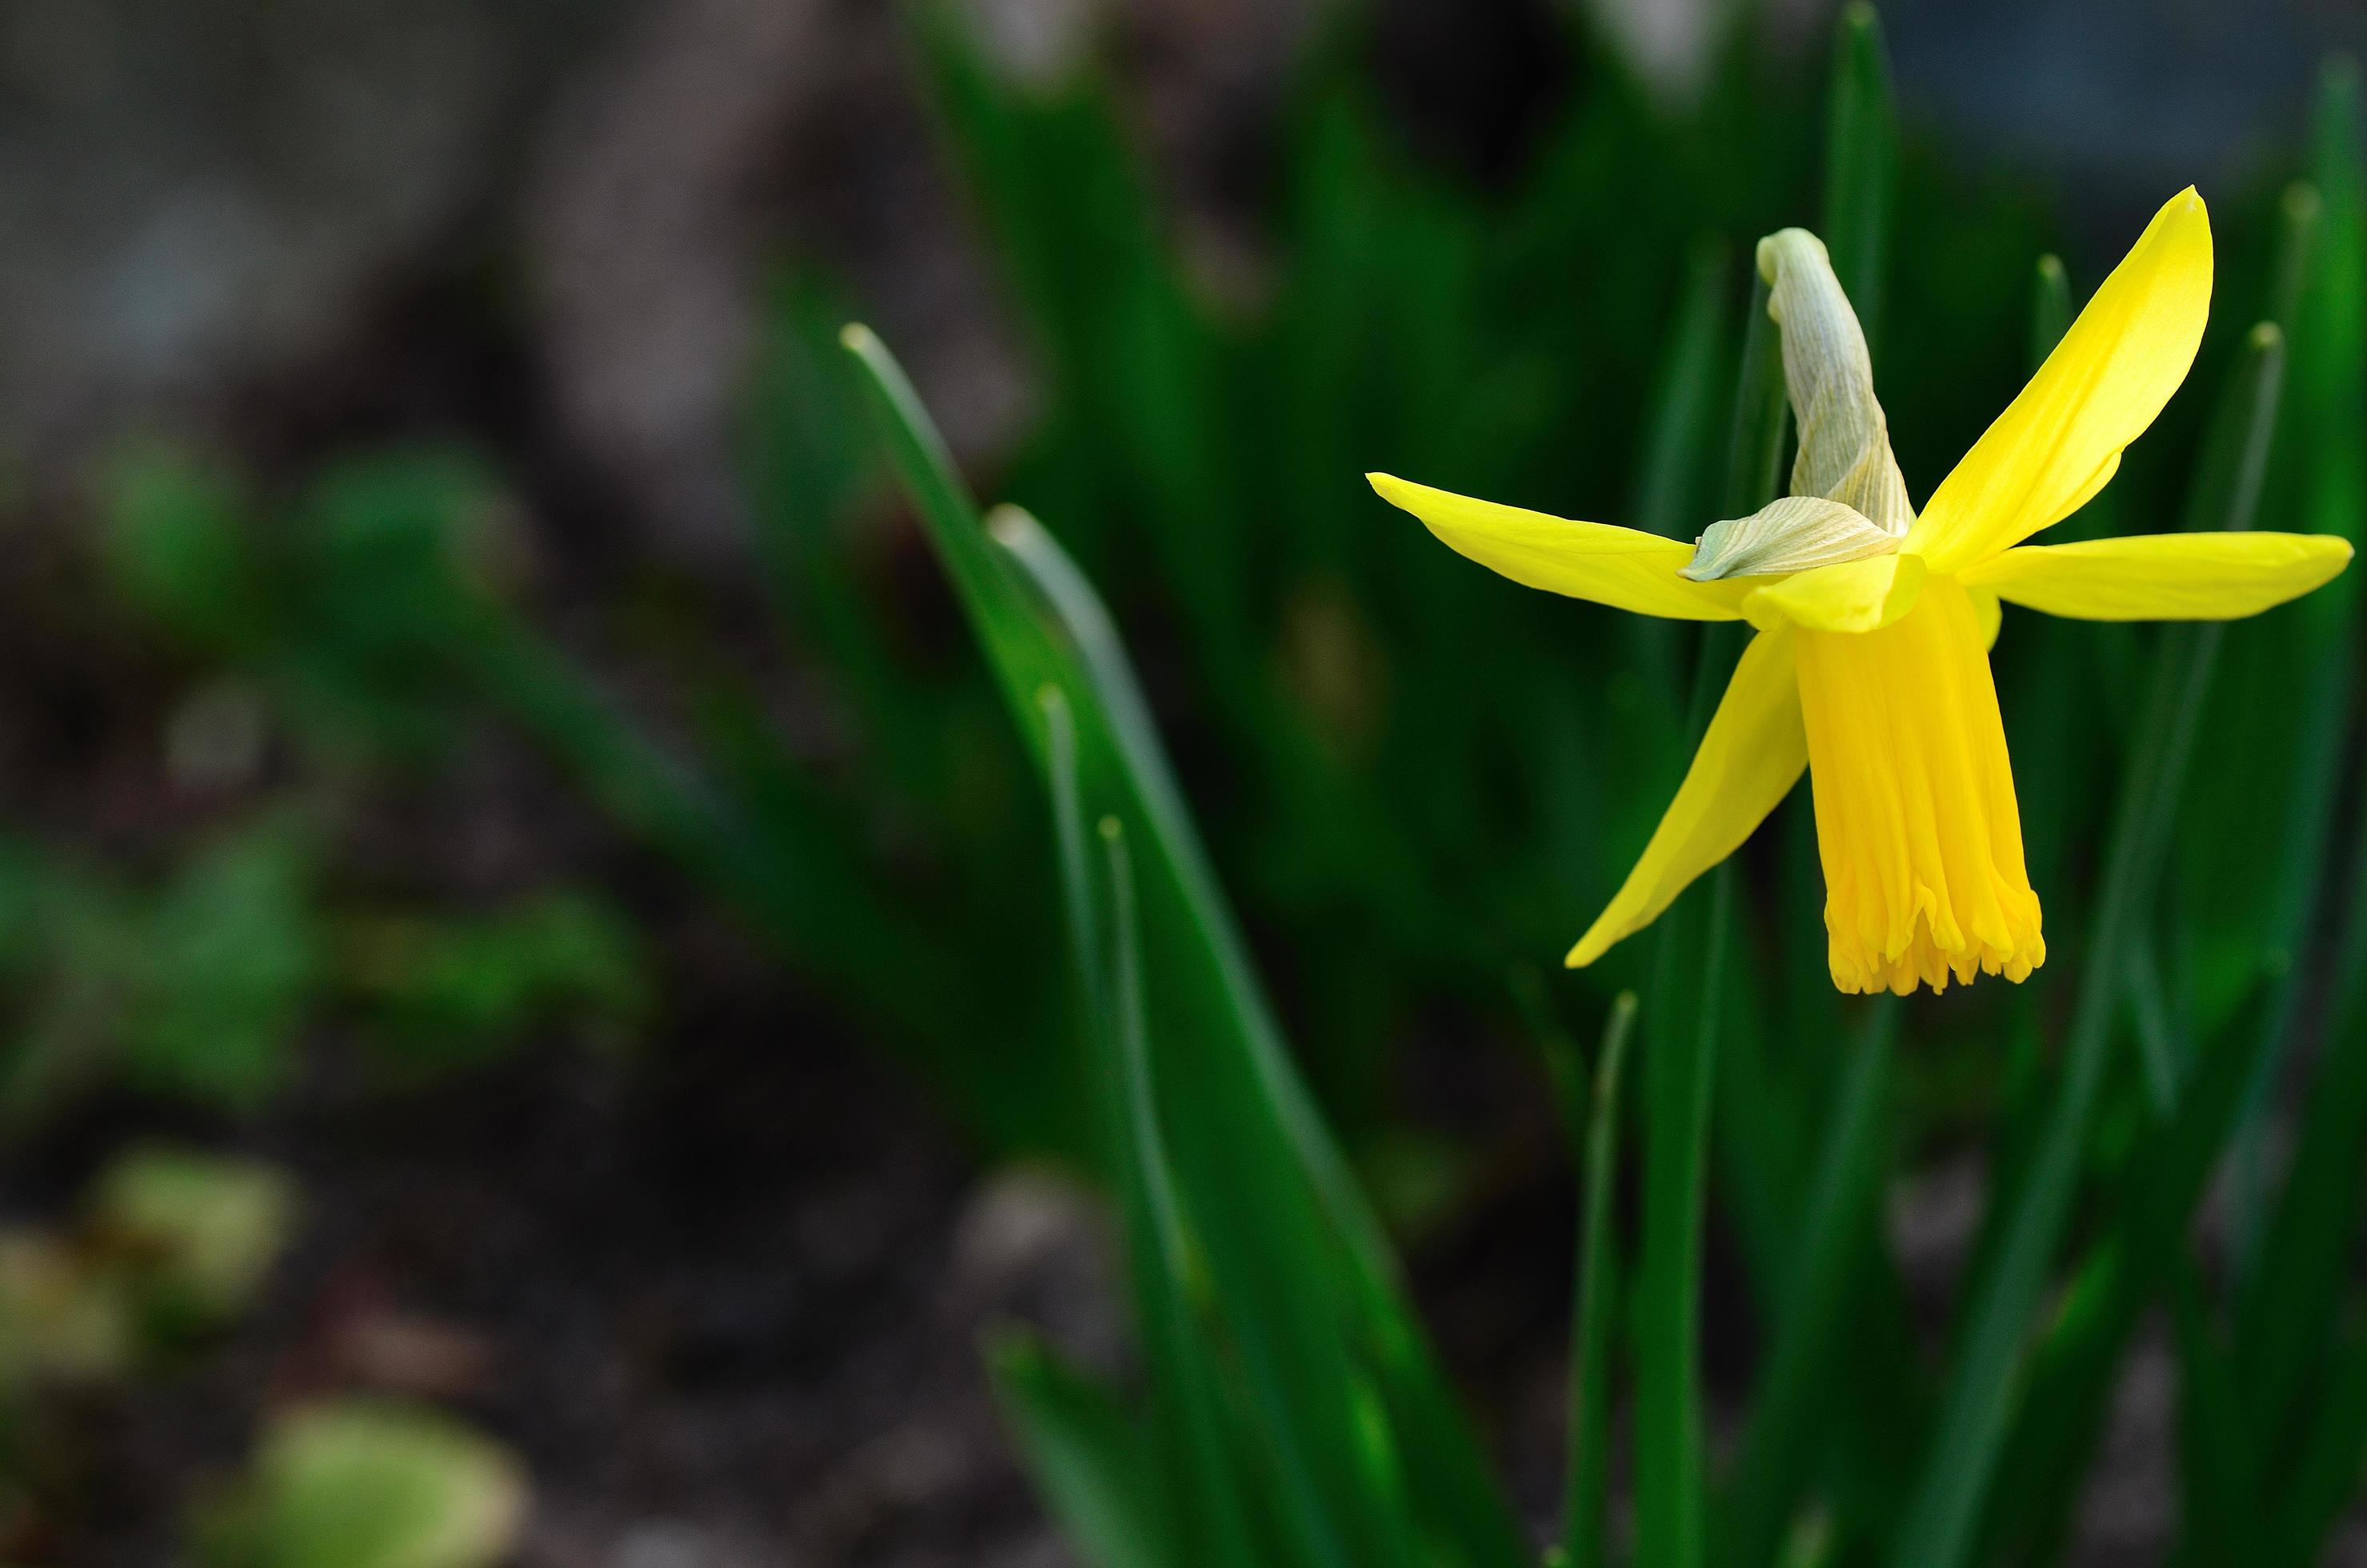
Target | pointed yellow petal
(1856,596)
(2183,576)
(2059,442)
(1624,568)
(1750,757)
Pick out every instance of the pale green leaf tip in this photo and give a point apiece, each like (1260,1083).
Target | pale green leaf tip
(858,338)
(1008,523)
(2050,267)
(1111,829)
(2264,336)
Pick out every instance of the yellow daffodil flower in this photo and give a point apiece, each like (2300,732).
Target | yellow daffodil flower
(1870,666)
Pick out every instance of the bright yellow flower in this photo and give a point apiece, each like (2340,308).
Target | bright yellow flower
(1870,669)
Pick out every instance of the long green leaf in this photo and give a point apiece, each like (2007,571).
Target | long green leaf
(1205,1511)
(2290,1313)
(2219,1492)
(1289,1272)
(1090,1460)
(1860,163)
(2050,308)
(1594,1301)
(2326,1480)
(1210,1516)
(1293,1251)
(1671,1501)
(2330,412)
(1781,1444)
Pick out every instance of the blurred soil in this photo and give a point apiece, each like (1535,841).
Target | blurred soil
(725,1298)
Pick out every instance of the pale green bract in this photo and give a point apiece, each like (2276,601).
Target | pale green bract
(1849,500)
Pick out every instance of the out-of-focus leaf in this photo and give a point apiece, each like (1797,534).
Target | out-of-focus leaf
(1292,1248)
(1203,1510)
(227,964)
(1586,1498)
(59,1321)
(356,1484)
(2218,1494)
(1780,1444)
(177,541)
(1860,163)
(1671,1501)
(2266,870)
(452,990)
(197,1234)
(1092,1461)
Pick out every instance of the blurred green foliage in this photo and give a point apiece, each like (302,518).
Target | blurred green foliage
(198,981)
(364,1484)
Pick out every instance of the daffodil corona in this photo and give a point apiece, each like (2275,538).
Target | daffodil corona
(1870,666)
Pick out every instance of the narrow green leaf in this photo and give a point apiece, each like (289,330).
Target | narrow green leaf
(1670,497)
(1761,413)
(1941,1520)
(2289,1313)
(1090,1460)
(1860,163)
(1671,1481)
(1594,1301)
(1021,647)
(1671,1486)
(1293,1254)
(1290,1275)
(2324,1482)
(2074,1367)
(2050,308)
(2218,1494)
(1841,1224)
(2157,1047)
(2301,216)
(1208,1514)
(2329,376)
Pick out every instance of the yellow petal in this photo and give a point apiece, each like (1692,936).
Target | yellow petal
(1750,757)
(1916,820)
(1855,596)
(2183,576)
(1989,616)
(1624,568)
(2059,442)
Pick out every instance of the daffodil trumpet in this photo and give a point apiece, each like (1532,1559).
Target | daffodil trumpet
(1869,669)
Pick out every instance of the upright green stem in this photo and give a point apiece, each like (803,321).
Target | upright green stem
(1681,1027)
(1842,1215)
(1595,1299)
